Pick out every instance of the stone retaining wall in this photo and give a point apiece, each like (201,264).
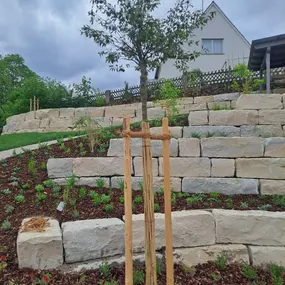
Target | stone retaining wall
(255,237)
(228,165)
(63,119)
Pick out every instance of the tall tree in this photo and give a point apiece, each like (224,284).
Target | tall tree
(128,30)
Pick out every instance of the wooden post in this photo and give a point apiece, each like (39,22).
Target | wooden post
(31,105)
(38,104)
(167,206)
(128,205)
(150,254)
(35,107)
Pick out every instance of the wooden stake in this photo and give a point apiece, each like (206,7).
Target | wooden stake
(167,206)
(35,106)
(31,105)
(38,104)
(150,254)
(128,206)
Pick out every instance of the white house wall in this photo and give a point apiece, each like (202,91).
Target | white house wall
(234,47)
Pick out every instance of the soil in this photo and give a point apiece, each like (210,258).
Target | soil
(16,172)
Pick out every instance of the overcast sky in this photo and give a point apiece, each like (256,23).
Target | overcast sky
(47,34)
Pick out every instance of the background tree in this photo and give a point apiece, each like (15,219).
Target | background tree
(128,30)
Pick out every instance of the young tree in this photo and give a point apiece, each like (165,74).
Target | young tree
(130,31)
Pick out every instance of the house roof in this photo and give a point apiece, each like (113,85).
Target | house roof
(215,5)
(275,45)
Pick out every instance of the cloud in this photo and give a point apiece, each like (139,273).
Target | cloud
(47,34)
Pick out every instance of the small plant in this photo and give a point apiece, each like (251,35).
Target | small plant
(82,193)
(141,185)
(209,134)
(215,276)
(72,202)
(32,167)
(173,198)
(105,270)
(194,199)
(48,183)
(264,207)
(138,200)
(9,209)
(71,181)
(138,277)
(56,191)
(39,188)
(19,198)
(248,272)
(217,107)
(6,225)
(180,195)
(279,200)
(41,196)
(93,194)
(213,200)
(122,199)
(108,208)
(276,273)
(75,214)
(243,205)
(6,191)
(196,135)
(156,207)
(105,198)
(100,183)
(26,186)
(121,184)
(43,166)
(221,261)
(214,194)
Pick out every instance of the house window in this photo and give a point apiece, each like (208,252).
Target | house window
(212,46)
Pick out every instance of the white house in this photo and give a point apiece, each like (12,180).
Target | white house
(225,45)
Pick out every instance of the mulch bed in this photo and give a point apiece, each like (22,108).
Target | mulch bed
(15,173)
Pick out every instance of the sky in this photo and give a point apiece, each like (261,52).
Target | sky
(46,33)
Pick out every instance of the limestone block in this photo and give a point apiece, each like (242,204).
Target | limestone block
(92,181)
(232,147)
(226,97)
(175,132)
(152,113)
(158,183)
(264,255)
(198,118)
(117,121)
(274,147)
(138,166)
(189,147)
(198,107)
(234,104)
(62,123)
(116,147)
(40,250)
(220,104)
(272,117)
(59,167)
(226,186)
(91,239)
(186,100)
(204,131)
(190,228)
(233,118)
(283,99)
(200,255)
(44,123)
(66,112)
(11,127)
(29,125)
(187,167)
(81,112)
(96,111)
(203,99)
(119,111)
(261,131)
(16,118)
(98,166)
(103,121)
(271,168)
(222,167)
(272,187)
(259,101)
(47,113)
(30,116)
(250,227)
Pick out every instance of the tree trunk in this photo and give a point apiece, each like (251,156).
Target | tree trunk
(143,90)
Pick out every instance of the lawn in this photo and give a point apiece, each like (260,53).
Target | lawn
(11,141)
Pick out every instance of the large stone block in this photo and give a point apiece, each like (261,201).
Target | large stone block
(271,168)
(189,147)
(47,113)
(66,112)
(91,239)
(30,116)
(29,125)
(59,167)
(96,111)
(250,227)
(226,97)
(152,113)
(116,147)
(190,228)
(203,99)
(138,166)
(274,147)
(98,166)
(197,107)
(157,183)
(186,100)
(233,117)
(17,118)
(272,187)
(120,111)
(62,123)
(40,250)
(264,255)
(222,167)
(217,131)
(226,186)
(11,127)
(272,117)
(198,118)
(232,147)
(175,132)
(81,112)
(259,101)
(261,131)
(187,167)
(44,123)
(200,255)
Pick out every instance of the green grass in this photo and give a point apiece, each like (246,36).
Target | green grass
(11,141)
